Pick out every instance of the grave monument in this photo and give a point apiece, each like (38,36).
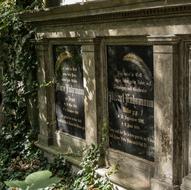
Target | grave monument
(118,73)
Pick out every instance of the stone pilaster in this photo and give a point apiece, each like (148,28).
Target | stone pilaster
(45,93)
(186,182)
(167,150)
(89,69)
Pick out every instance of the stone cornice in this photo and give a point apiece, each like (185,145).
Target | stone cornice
(108,12)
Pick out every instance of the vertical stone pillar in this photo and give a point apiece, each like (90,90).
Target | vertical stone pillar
(186,183)
(90,92)
(45,93)
(167,148)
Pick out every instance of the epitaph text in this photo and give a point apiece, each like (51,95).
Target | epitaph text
(69,90)
(130,99)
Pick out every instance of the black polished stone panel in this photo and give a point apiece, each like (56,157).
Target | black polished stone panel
(130,99)
(69,89)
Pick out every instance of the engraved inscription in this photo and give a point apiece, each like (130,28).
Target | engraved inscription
(69,90)
(130,99)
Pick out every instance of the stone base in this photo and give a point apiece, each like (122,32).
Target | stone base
(55,150)
(186,184)
(122,181)
(157,184)
(43,139)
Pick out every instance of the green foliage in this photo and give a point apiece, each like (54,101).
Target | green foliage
(87,178)
(34,181)
(29,4)
(61,168)
(18,155)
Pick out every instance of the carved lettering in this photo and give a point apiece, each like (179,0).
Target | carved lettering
(131,100)
(69,90)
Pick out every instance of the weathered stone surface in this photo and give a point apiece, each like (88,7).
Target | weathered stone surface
(90,93)
(163,64)
(166,26)
(186,184)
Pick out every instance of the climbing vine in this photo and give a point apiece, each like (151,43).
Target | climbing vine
(18,155)
(87,178)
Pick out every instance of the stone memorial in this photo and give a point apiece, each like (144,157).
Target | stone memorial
(69,90)
(118,74)
(130,99)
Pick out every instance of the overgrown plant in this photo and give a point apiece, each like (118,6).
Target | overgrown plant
(61,168)
(18,156)
(87,178)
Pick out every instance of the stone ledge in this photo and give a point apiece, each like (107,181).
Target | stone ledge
(158,184)
(53,150)
(126,185)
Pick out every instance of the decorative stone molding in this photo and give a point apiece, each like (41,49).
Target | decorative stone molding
(85,14)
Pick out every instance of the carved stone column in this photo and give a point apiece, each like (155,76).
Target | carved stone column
(167,141)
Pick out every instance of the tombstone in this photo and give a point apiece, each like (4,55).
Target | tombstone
(69,90)
(131,99)
(117,73)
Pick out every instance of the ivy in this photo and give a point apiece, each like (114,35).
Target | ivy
(18,155)
(87,178)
